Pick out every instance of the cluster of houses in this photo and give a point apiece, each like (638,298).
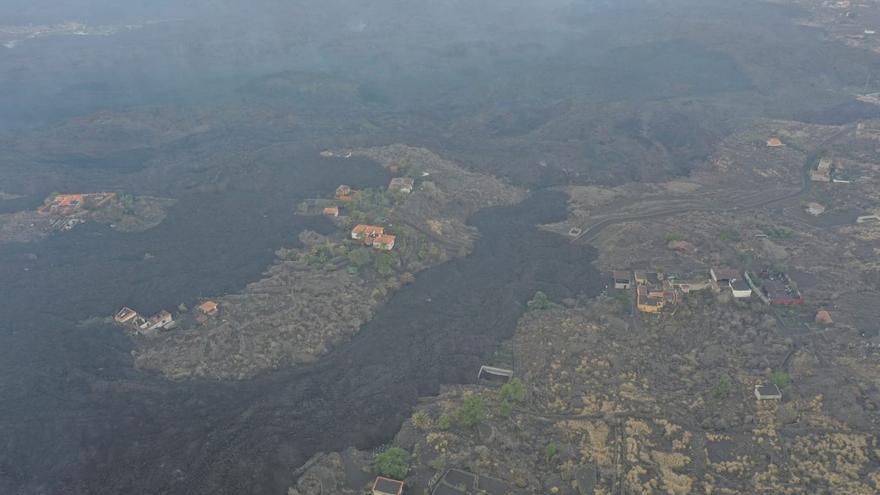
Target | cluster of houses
(163,320)
(371,235)
(68,204)
(131,319)
(374,236)
(655,290)
(825,171)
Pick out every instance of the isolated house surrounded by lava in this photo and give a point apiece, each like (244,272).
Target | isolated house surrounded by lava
(209,308)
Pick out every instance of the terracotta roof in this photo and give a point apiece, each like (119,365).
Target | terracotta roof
(774,143)
(368,229)
(331,210)
(384,239)
(68,199)
(208,307)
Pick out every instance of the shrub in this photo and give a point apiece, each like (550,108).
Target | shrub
(550,451)
(472,411)
(512,391)
(723,388)
(360,257)
(422,420)
(777,233)
(393,463)
(780,378)
(539,302)
(444,422)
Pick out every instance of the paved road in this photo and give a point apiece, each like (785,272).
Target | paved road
(591,231)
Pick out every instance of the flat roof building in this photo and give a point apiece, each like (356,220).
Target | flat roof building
(387,486)
(622,279)
(767,391)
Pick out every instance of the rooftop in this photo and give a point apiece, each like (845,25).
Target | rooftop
(725,274)
(208,307)
(387,485)
(368,229)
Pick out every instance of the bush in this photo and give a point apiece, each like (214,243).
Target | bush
(538,303)
(723,389)
(512,391)
(444,422)
(393,463)
(384,264)
(777,233)
(472,411)
(550,451)
(780,378)
(422,420)
(360,257)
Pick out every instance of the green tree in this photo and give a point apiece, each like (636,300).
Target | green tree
(384,264)
(360,257)
(444,422)
(539,302)
(780,378)
(723,388)
(512,391)
(472,411)
(393,463)
(550,451)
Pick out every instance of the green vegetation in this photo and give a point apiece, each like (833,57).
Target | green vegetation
(539,303)
(674,237)
(723,388)
(319,255)
(777,233)
(550,451)
(472,411)
(780,378)
(384,263)
(360,257)
(729,235)
(444,422)
(511,392)
(393,463)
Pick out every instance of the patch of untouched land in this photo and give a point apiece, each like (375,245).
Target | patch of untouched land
(123,212)
(317,296)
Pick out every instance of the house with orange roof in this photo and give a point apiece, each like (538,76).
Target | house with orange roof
(209,308)
(774,143)
(384,242)
(331,211)
(363,232)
